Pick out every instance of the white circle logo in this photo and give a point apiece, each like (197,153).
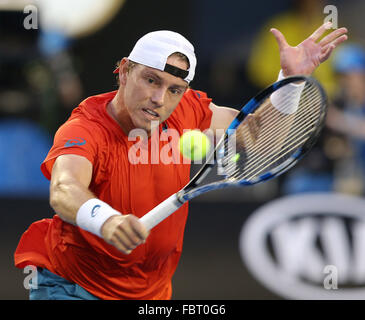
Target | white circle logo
(308,246)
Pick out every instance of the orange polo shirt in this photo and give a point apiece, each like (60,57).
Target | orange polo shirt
(129,187)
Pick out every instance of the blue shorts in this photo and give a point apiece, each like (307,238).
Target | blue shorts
(50,286)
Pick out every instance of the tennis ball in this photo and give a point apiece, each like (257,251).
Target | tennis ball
(194,145)
(236,157)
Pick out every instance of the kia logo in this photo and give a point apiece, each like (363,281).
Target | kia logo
(308,246)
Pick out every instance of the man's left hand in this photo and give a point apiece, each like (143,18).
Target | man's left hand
(308,55)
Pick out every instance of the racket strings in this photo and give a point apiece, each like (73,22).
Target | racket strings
(272,158)
(270,163)
(291,144)
(309,126)
(242,133)
(268,120)
(247,158)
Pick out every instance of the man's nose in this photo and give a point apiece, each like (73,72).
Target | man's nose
(158,96)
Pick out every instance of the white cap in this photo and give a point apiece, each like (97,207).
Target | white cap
(154,48)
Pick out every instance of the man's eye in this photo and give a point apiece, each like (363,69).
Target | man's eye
(150,80)
(175,91)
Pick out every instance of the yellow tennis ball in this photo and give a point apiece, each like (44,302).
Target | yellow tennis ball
(194,145)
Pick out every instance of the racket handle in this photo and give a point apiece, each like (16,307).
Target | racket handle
(160,212)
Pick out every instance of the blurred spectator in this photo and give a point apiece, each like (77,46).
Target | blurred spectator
(297,24)
(337,163)
(38,87)
(347,117)
(315,171)
(37,78)
(64,91)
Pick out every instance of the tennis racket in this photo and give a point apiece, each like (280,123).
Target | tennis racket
(291,114)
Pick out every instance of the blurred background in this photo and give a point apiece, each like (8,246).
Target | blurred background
(54,54)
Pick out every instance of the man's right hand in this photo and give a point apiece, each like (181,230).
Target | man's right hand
(124,232)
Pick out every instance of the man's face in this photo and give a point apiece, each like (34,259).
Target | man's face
(151,95)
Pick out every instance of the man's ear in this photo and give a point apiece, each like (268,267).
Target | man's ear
(123,71)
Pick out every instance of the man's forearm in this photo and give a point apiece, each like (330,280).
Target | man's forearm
(67,197)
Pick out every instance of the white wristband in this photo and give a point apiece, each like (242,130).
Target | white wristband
(92,215)
(286,99)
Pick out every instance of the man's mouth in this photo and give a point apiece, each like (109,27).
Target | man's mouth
(152,114)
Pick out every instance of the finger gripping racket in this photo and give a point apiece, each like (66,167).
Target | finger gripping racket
(290,115)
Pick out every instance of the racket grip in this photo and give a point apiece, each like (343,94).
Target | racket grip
(161,212)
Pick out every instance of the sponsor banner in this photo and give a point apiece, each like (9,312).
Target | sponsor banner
(308,246)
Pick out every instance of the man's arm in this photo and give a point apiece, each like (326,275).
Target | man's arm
(71,177)
(223,116)
(69,192)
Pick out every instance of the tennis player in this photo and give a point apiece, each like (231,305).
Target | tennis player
(95,247)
